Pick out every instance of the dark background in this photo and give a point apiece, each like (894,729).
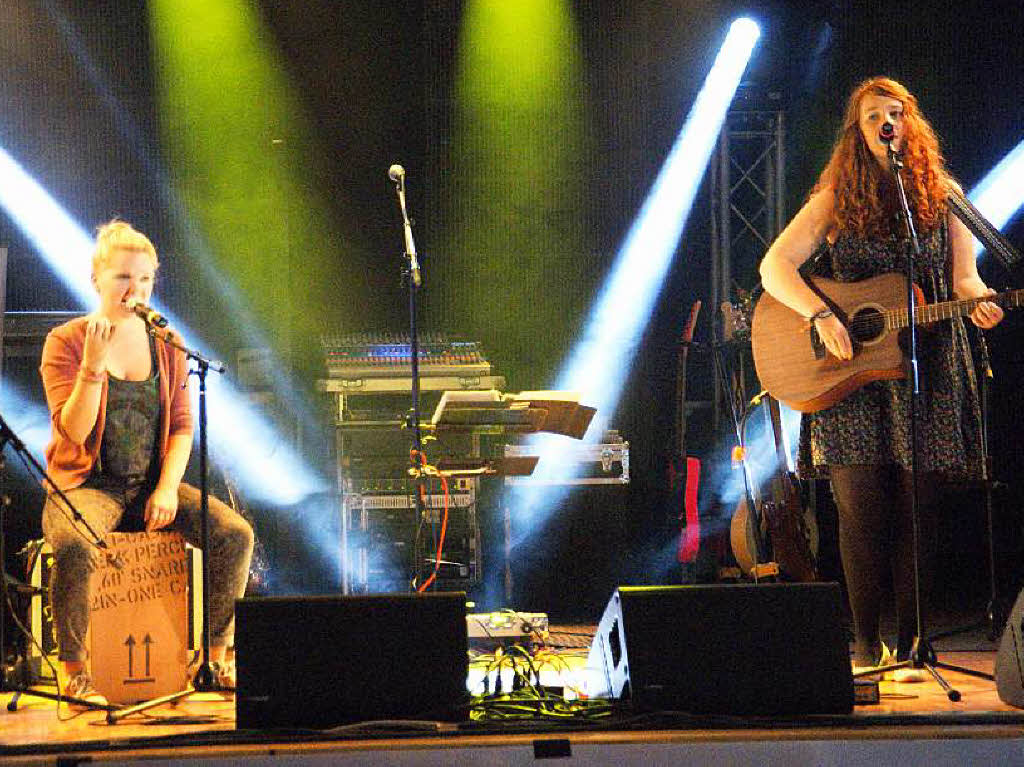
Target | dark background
(377,78)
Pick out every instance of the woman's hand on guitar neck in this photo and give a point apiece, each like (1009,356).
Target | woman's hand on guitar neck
(834,335)
(987,314)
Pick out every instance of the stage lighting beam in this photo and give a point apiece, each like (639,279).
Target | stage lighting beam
(600,362)
(240,437)
(1000,194)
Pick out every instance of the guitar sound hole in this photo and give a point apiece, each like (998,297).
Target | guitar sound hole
(867,325)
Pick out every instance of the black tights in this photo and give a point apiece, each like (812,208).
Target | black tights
(876,535)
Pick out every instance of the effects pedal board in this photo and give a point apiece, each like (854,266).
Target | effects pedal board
(507,625)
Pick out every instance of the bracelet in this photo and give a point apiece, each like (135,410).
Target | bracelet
(91,377)
(820,315)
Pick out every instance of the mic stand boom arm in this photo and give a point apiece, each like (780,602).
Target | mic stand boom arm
(7,436)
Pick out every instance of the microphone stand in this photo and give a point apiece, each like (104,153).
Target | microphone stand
(922,655)
(8,437)
(203,680)
(994,615)
(411,275)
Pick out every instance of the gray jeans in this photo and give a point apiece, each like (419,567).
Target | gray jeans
(231,543)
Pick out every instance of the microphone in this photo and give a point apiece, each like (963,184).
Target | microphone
(397,174)
(886,132)
(149,314)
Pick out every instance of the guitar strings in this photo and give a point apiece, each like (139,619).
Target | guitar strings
(892,316)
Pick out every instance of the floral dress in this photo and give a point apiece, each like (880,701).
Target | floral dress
(872,425)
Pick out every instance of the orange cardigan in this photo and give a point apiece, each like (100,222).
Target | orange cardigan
(69,463)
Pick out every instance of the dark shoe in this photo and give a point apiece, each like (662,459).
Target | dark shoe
(883,658)
(221,671)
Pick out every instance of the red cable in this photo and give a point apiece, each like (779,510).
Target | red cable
(440,541)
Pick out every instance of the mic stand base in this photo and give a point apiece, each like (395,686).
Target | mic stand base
(23,687)
(922,656)
(203,682)
(12,706)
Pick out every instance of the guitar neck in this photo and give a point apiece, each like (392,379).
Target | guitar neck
(946,310)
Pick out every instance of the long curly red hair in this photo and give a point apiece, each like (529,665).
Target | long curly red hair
(864,195)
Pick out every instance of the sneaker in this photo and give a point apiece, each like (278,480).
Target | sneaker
(909,674)
(80,687)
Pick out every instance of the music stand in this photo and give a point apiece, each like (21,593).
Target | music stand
(528,412)
(553,412)
(475,413)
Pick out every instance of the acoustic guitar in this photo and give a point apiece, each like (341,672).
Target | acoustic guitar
(793,365)
(783,520)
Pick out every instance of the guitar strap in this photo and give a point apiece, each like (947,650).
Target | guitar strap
(998,245)
(987,234)
(973,219)
(812,266)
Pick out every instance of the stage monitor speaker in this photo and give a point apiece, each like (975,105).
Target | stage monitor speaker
(772,649)
(1010,658)
(318,662)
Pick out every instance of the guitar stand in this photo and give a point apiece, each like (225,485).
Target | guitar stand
(761,566)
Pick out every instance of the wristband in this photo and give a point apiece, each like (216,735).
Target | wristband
(91,377)
(823,314)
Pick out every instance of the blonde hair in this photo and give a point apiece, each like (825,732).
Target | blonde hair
(120,235)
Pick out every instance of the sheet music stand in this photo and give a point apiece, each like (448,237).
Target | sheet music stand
(489,412)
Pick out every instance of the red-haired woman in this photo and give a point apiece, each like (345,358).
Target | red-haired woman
(862,443)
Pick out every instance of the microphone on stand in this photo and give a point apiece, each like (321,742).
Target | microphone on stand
(149,314)
(397,174)
(886,132)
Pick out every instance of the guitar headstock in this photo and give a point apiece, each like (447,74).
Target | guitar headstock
(736,316)
(691,323)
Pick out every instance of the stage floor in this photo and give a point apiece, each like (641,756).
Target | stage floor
(919,717)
